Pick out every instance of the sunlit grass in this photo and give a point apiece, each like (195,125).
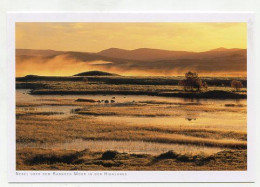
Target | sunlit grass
(46,159)
(34,129)
(50,121)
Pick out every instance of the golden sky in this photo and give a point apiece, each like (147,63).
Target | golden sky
(94,37)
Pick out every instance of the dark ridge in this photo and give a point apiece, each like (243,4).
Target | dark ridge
(96,73)
(203,95)
(117,80)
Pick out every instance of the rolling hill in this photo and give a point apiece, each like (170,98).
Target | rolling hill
(141,61)
(96,73)
(146,54)
(143,54)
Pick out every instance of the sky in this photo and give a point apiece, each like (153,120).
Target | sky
(94,37)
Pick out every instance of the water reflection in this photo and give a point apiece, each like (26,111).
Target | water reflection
(191,100)
(185,113)
(202,115)
(22,95)
(192,115)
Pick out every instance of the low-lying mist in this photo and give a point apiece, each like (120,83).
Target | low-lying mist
(68,65)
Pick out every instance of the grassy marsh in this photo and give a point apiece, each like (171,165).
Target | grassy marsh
(47,120)
(44,159)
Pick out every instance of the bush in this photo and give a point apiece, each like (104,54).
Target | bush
(237,85)
(108,155)
(192,81)
(168,155)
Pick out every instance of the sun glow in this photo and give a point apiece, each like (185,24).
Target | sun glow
(94,37)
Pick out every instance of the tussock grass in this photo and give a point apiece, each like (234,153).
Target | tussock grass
(44,159)
(153,109)
(52,158)
(197,159)
(108,155)
(201,132)
(168,103)
(167,155)
(126,110)
(176,139)
(36,128)
(46,128)
(234,105)
(21,113)
(123,85)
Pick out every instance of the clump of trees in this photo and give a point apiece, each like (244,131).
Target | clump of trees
(237,85)
(192,82)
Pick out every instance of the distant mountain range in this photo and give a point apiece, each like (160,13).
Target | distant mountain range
(153,61)
(146,54)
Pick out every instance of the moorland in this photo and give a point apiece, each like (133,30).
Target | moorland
(102,121)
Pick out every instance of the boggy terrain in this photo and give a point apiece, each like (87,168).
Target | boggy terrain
(70,123)
(219,87)
(46,159)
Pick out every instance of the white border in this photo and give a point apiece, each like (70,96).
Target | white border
(132,176)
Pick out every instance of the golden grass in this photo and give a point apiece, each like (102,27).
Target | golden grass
(45,159)
(94,85)
(152,109)
(44,129)
(41,127)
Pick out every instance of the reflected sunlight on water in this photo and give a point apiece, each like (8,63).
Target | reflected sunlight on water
(204,116)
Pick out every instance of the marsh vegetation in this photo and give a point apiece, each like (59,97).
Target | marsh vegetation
(129,123)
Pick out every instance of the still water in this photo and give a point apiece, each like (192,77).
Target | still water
(230,118)
(226,118)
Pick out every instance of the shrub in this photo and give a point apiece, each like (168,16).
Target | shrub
(237,85)
(167,155)
(185,158)
(108,155)
(192,81)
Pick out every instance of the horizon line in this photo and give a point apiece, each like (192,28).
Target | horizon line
(131,49)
